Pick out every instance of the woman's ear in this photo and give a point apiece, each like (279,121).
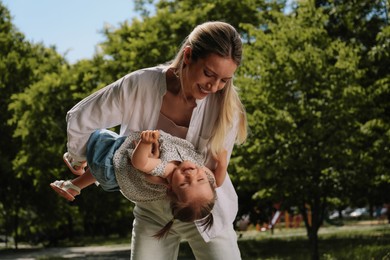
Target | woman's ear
(187,55)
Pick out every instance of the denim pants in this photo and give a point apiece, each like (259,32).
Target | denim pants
(101,148)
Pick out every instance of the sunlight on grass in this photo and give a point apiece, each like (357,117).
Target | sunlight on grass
(346,242)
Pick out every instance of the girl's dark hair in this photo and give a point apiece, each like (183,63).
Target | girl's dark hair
(189,212)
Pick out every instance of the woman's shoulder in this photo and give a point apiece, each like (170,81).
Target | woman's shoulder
(146,78)
(148,73)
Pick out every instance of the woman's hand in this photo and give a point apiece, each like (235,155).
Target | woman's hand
(221,158)
(221,169)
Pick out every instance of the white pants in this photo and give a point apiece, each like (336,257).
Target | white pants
(151,217)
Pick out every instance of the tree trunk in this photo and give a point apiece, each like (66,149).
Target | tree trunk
(16,227)
(313,242)
(312,216)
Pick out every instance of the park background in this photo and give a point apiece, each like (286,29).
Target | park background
(314,81)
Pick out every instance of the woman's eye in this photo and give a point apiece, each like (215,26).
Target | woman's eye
(208,74)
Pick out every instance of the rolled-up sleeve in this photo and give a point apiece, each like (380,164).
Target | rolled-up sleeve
(133,102)
(100,110)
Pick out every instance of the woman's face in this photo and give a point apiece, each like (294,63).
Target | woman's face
(190,181)
(207,75)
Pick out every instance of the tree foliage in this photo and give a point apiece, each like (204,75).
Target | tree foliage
(318,122)
(21,64)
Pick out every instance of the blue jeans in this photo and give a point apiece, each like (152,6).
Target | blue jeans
(101,148)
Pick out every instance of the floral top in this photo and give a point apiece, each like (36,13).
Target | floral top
(133,183)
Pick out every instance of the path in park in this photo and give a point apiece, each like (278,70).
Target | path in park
(90,252)
(111,252)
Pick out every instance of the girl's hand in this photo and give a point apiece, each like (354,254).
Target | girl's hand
(155,152)
(145,156)
(150,136)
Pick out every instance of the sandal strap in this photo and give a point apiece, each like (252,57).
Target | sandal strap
(72,161)
(66,185)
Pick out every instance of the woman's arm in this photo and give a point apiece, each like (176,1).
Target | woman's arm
(123,102)
(143,157)
(100,110)
(221,169)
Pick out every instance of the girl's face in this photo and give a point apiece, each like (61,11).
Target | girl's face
(190,181)
(207,75)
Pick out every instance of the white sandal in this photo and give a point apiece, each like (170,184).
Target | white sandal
(62,187)
(72,163)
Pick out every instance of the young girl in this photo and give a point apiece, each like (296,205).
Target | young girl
(169,161)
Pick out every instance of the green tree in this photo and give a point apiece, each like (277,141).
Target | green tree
(302,93)
(38,88)
(21,64)
(365,24)
(39,115)
(38,109)
(155,39)
(314,82)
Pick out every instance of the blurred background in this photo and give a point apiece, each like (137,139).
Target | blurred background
(314,80)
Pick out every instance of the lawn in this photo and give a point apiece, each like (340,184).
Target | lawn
(354,240)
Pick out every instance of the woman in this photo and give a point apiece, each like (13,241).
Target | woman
(192,98)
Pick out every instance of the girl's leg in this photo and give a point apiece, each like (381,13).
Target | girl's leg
(84,180)
(72,188)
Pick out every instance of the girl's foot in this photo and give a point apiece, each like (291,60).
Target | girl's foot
(77,168)
(65,189)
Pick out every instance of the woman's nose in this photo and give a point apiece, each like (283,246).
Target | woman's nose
(212,86)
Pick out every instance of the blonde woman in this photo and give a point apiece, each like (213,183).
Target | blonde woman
(193,98)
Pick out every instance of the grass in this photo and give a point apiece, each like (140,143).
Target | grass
(355,240)
(352,241)
(342,244)
(347,242)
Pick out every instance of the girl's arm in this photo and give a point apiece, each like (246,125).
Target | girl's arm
(143,158)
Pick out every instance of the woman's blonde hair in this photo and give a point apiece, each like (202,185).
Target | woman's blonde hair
(222,39)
